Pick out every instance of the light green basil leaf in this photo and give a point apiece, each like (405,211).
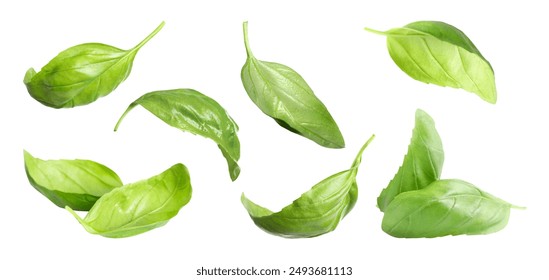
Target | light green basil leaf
(81,74)
(192,111)
(317,211)
(422,164)
(141,206)
(445,207)
(74,183)
(282,94)
(438,53)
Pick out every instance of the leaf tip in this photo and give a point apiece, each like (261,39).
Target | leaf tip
(423,117)
(235,173)
(420,113)
(27,157)
(29,75)
(492,99)
(243,199)
(340,144)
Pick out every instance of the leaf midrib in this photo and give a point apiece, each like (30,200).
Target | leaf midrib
(123,227)
(435,200)
(87,82)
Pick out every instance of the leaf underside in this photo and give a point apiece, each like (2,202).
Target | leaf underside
(317,211)
(438,53)
(82,74)
(282,94)
(74,183)
(141,206)
(445,207)
(192,111)
(422,163)
(416,203)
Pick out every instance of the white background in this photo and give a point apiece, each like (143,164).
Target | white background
(500,148)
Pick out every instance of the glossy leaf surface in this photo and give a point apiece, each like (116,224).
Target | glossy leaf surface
(317,211)
(445,207)
(81,74)
(74,183)
(437,53)
(192,111)
(141,206)
(422,164)
(282,94)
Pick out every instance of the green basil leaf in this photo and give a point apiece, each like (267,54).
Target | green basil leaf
(445,207)
(282,94)
(438,53)
(317,211)
(141,206)
(74,183)
(192,111)
(81,74)
(422,164)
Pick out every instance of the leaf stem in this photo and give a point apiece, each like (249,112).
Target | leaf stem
(246,42)
(138,46)
(375,31)
(81,221)
(358,158)
(124,115)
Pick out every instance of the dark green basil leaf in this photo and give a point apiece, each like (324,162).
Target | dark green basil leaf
(141,206)
(81,74)
(445,207)
(438,53)
(192,111)
(422,164)
(282,94)
(317,211)
(74,183)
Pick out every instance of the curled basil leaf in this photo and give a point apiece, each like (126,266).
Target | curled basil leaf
(141,206)
(438,53)
(317,211)
(282,94)
(422,164)
(81,74)
(418,204)
(192,111)
(445,207)
(74,183)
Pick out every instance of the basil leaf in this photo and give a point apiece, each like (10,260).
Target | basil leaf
(438,53)
(422,164)
(141,206)
(445,207)
(81,74)
(74,183)
(317,211)
(192,111)
(282,94)
(417,204)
